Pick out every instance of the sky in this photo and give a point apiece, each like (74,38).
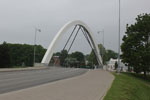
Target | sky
(19,18)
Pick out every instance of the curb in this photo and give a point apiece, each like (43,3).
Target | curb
(102,98)
(21,69)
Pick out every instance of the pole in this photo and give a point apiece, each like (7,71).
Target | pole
(102,44)
(118,69)
(103,38)
(34,47)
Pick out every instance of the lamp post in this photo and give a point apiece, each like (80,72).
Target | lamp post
(118,69)
(102,43)
(36,30)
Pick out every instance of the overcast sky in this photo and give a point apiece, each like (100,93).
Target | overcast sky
(19,18)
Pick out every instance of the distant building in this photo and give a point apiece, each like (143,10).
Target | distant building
(111,65)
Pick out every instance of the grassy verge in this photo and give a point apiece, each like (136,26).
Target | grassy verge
(129,86)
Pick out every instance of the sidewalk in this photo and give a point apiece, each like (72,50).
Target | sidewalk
(20,69)
(89,86)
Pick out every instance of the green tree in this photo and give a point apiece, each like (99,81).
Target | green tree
(135,47)
(79,56)
(102,51)
(40,51)
(4,56)
(92,59)
(105,54)
(110,54)
(63,56)
(23,53)
(71,62)
(57,54)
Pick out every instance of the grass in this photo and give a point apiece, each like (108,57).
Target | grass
(129,86)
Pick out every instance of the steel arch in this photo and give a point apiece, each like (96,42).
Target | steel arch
(47,57)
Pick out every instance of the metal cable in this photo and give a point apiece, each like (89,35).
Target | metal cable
(70,37)
(74,38)
(85,34)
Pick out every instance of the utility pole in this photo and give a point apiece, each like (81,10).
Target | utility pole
(34,53)
(118,69)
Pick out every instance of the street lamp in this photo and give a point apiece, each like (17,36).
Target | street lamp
(102,43)
(103,35)
(36,30)
(118,69)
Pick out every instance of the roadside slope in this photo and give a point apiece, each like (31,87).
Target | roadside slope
(129,86)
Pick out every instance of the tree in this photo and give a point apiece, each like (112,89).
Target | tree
(40,51)
(135,47)
(57,54)
(105,54)
(23,53)
(63,56)
(111,54)
(4,56)
(71,62)
(79,56)
(102,50)
(92,59)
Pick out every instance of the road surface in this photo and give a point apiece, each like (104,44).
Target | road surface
(16,80)
(92,85)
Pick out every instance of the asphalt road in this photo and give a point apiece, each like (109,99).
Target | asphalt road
(15,80)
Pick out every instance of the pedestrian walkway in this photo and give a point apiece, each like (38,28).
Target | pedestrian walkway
(89,86)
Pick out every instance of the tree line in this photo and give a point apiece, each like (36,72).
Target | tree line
(17,55)
(78,59)
(105,54)
(13,55)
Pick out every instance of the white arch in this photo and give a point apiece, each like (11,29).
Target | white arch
(47,57)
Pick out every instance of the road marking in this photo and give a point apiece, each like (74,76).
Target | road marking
(31,78)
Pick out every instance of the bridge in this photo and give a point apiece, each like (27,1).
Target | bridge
(79,25)
(24,80)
